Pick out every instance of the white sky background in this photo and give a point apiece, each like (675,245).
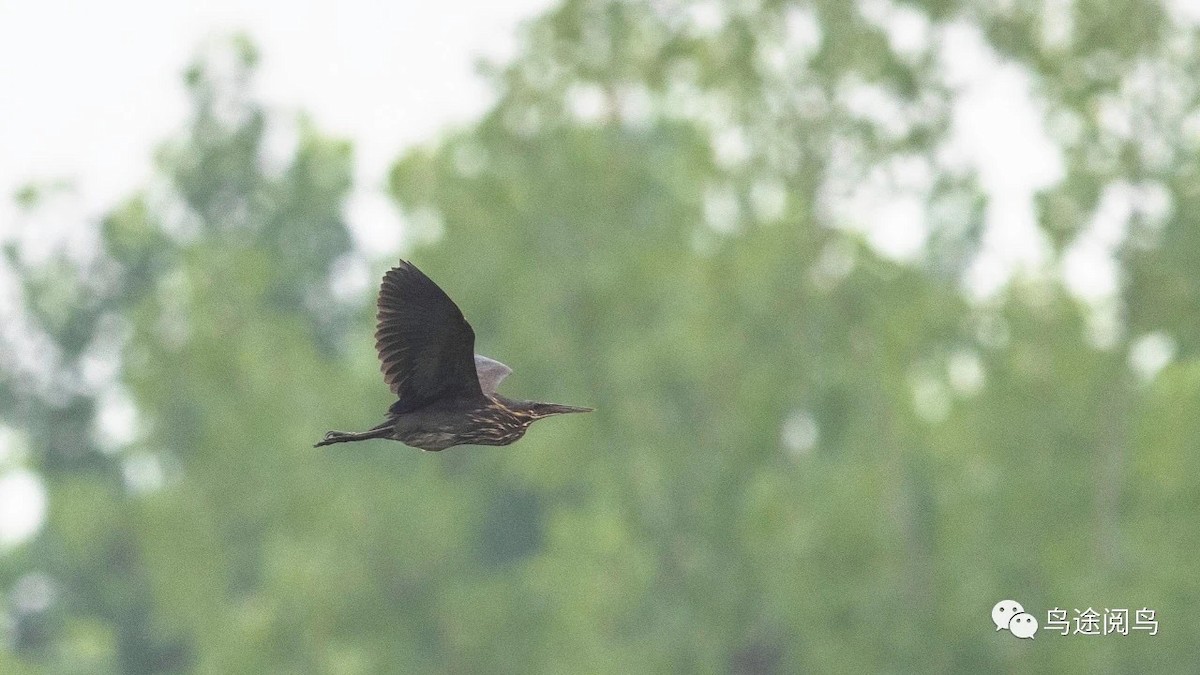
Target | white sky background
(88,90)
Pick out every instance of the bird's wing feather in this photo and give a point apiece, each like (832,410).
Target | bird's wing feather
(490,372)
(425,345)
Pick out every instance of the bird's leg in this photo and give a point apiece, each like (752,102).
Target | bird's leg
(348,436)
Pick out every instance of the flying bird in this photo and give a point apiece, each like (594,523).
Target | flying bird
(447,393)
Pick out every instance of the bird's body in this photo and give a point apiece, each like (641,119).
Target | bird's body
(447,393)
(492,420)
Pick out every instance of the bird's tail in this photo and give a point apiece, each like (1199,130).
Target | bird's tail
(382,431)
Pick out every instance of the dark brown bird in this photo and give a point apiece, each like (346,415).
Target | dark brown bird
(447,392)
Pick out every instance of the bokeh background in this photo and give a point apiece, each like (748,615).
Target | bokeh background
(889,309)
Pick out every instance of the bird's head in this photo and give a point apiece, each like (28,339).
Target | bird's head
(534,410)
(537,410)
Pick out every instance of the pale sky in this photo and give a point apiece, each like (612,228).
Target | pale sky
(87,90)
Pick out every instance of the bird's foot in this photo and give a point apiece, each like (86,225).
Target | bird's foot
(330,438)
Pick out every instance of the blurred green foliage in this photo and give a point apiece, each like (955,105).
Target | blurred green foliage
(806,457)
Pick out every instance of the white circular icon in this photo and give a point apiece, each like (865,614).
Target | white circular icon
(1023,625)
(1004,611)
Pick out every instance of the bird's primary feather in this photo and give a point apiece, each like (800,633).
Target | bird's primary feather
(426,348)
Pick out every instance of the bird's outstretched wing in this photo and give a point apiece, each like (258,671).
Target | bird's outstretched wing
(491,372)
(426,348)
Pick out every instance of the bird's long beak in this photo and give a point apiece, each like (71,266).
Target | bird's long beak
(548,409)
